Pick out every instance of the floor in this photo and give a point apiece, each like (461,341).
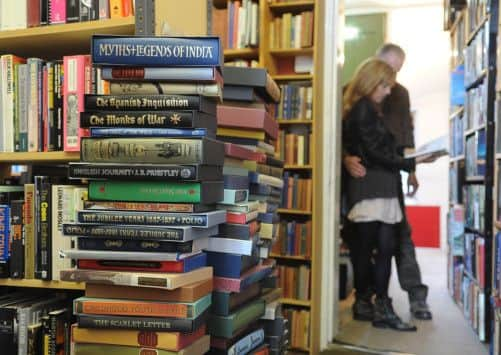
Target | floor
(447,334)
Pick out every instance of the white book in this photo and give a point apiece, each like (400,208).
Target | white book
(233,246)
(242,17)
(13,15)
(124,255)
(66,200)
(297,31)
(8,102)
(254,32)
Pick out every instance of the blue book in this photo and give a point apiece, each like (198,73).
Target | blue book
(230,265)
(156,51)
(195,262)
(248,343)
(268,218)
(236,182)
(4,232)
(147,132)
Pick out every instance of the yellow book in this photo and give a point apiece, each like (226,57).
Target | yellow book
(240,133)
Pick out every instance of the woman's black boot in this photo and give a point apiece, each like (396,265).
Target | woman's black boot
(385,317)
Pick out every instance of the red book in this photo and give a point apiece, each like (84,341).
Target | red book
(247,117)
(33,13)
(235,151)
(126,265)
(241,218)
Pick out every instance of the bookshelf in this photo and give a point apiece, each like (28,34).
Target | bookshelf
(43,284)
(472,172)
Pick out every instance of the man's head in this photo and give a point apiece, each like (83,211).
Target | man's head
(393,55)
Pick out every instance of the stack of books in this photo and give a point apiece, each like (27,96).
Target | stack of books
(155,175)
(245,299)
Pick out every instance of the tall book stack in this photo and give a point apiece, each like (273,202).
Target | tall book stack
(245,281)
(155,175)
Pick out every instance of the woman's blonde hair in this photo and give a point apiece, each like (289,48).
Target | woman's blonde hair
(368,76)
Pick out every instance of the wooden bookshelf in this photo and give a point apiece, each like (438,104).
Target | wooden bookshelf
(292,6)
(291,52)
(293,77)
(64,39)
(243,53)
(290,257)
(292,211)
(294,122)
(43,284)
(294,302)
(39,157)
(298,167)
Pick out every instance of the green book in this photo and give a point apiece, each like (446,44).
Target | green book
(200,346)
(228,326)
(206,192)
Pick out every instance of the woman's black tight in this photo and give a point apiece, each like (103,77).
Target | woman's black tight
(370,236)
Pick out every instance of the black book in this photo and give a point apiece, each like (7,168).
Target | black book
(43,228)
(129,171)
(154,324)
(44,12)
(72,11)
(17,242)
(158,246)
(235,182)
(256,78)
(236,231)
(150,103)
(149,119)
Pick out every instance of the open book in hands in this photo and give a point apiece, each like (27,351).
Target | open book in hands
(431,151)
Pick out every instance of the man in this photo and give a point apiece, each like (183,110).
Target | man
(398,120)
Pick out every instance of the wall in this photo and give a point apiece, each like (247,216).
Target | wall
(426,74)
(371,35)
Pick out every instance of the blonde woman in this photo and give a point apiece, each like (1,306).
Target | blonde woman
(372,201)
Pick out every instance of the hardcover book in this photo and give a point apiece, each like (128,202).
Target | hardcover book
(187,293)
(206,192)
(184,325)
(172,341)
(166,281)
(149,171)
(188,264)
(224,303)
(147,88)
(163,74)
(147,206)
(199,220)
(124,255)
(152,150)
(150,102)
(125,307)
(150,132)
(150,119)
(156,51)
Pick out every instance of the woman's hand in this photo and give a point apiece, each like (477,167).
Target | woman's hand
(354,166)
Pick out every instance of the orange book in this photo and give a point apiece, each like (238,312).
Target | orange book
(170,341)
(127,8)
(189,293)
(116,9)
(125,307)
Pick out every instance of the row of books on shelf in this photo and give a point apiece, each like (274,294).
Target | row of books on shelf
(475,153)
(299,321)
(296,101)
(476,12)
(292,31)
(297,192)
(33,13)
(474,257)
(294,149)
(468,296)
(294,239)
(456,135)
(295,281)
(476,56)
(474,200)
(237,24)
(476,106)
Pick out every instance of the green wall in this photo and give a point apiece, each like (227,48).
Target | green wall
(371,35)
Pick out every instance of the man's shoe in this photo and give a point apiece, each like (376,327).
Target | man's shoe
(363,309)
(420,310)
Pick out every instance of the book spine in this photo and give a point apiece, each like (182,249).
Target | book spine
(138,266)
(29,231)
(141,206)
(148,132)
(57,11)
(134,323)
(22,87)
(150,150)
(248,343)
(104,9)
(146,88)
(139,119)
(44,221)
(44,12)
(136,308)
(75,86)
(117,231)
(148,192)
(116,9)
(17,244)
(72,11)
(144,102)
(152,218)
(5,212)
(89,243)
(156,51)
(141,74)
(127,172)
(232,197)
